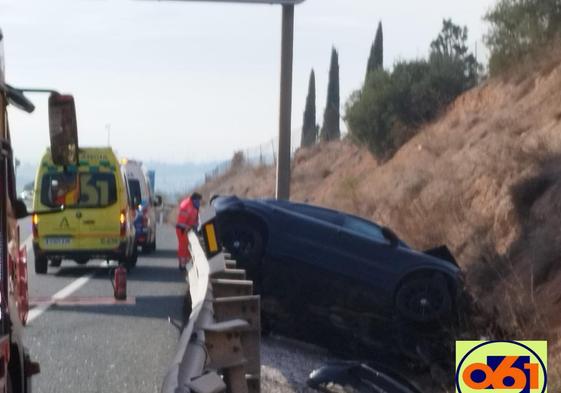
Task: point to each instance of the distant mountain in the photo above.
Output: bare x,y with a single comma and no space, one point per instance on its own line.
170,178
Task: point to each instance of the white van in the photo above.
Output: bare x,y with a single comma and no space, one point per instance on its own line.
143,202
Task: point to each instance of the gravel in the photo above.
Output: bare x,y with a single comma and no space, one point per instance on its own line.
286,364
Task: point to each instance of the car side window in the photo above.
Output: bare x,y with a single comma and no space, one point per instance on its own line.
364,228
318,213
135,192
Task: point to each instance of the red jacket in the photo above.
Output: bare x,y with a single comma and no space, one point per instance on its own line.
188,215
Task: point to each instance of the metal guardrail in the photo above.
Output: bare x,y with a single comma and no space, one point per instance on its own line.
219,347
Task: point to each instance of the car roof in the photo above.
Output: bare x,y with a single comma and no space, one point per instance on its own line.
289,205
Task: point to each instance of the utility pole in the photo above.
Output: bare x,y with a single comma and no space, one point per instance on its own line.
108,129
285,110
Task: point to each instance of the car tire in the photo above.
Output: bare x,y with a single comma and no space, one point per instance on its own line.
131,262
424,299
243,240
149,248
41,264
56,262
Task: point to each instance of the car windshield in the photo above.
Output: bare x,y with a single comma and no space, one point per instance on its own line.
83,189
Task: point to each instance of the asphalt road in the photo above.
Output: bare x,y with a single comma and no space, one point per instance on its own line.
87,343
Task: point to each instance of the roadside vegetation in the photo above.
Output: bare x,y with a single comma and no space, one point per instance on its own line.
391,105
521,32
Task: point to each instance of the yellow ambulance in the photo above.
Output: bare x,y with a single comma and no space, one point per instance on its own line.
89,214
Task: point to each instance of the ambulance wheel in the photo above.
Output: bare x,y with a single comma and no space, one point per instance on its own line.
55,262
41,264
9,384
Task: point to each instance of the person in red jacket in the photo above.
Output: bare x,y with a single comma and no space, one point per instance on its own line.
187,218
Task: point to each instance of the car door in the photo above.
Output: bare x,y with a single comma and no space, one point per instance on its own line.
307,254
135,202
369,258
307,233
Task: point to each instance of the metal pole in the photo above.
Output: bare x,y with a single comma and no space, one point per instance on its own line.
108,129
285,112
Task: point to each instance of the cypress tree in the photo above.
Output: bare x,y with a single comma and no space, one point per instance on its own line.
330,130
309,129
376,59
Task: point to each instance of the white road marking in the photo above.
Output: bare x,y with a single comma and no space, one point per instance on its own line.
68,290
64,292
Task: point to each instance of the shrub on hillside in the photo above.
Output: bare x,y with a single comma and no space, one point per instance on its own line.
520,28
390,106
238,160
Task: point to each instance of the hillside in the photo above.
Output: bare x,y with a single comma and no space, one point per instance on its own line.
483,179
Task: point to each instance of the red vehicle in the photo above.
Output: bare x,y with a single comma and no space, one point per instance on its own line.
16,367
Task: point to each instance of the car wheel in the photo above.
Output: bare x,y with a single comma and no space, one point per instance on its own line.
149,247
243,240
131,262
424,299
55,262
41,264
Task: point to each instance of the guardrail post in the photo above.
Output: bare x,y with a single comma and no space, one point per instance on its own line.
225,288
231,274
223,333
248,309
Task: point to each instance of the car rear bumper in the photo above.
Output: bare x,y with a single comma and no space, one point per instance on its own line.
114,254
144,235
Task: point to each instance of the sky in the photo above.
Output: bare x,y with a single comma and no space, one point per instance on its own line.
191,81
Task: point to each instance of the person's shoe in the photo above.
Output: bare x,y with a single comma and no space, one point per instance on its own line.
182,268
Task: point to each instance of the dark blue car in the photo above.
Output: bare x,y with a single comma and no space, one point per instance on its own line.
336,263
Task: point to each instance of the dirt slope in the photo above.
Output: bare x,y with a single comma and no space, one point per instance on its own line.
485,179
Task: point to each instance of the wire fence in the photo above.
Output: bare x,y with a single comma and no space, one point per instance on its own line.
259,155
